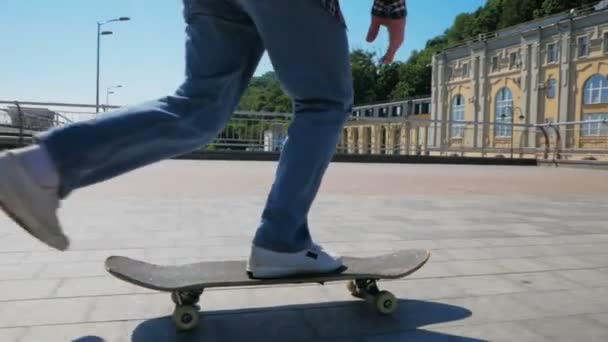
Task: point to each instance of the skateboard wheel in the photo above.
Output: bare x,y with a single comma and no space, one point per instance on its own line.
354,289
185,317
386,303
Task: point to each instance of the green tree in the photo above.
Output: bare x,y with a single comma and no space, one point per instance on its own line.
365,75
388,78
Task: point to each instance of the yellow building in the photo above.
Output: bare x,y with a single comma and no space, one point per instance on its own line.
388,128
487,93
490,94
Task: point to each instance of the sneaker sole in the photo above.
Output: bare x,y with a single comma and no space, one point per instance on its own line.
272,272
47,239
24,226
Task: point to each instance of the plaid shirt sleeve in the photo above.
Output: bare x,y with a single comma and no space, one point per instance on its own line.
394,9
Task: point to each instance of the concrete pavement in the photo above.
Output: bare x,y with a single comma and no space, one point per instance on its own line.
519,254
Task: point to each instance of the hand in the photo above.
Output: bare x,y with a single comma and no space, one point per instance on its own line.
396,33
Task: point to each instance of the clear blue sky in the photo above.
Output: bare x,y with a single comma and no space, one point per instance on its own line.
48,48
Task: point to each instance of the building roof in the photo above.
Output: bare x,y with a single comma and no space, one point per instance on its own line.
534,24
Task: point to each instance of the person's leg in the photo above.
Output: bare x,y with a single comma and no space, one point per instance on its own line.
223,50
309,51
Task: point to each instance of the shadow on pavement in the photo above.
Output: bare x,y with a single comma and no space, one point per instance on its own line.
345,321
89,339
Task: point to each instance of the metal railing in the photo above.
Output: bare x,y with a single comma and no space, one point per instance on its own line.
586,139
389,135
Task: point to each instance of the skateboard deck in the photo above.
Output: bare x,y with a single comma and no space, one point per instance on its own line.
187,282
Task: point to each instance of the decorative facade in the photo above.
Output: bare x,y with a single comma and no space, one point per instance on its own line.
487,92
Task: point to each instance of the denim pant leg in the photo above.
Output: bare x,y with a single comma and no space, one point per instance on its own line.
310,54
223,49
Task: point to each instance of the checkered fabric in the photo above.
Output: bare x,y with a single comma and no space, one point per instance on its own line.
382,8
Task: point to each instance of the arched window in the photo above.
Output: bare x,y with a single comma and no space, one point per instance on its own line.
596,89
504,112
596,92
457,115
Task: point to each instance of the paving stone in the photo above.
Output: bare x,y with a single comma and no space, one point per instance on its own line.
498,308
459,243
27,289
82,332
12,334
595,260
129,307
44,312
568,329
587,278
568,302
475,267
94,286
542,281
71,270
600,318
20,271
71,256
563,262
522,264
499,332
12,258
462,254
456,287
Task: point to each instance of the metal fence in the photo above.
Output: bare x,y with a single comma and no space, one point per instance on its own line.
246,131
396,134
414,135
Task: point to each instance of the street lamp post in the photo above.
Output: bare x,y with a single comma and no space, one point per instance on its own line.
99,34
109,91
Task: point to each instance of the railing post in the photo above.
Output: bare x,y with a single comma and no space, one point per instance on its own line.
547,141
21,123
558,143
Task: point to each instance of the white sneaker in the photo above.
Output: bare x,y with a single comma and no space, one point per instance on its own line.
264,263
31,206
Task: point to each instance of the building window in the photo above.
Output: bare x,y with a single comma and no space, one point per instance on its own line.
513,60
397,111
551,88
495,64
465,70
583,46
458,105
596,128
596,90
606,42
552,53
383,112
504,112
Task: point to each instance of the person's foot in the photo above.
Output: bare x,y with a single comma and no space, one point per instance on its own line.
264,263
31,206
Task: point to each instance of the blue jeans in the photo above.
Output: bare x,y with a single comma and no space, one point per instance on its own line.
225,41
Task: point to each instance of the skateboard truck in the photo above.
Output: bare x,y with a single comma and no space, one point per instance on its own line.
385,302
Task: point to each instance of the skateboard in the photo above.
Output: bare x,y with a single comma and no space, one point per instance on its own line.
186,283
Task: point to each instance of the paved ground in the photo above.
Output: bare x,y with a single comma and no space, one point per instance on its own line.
519,254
